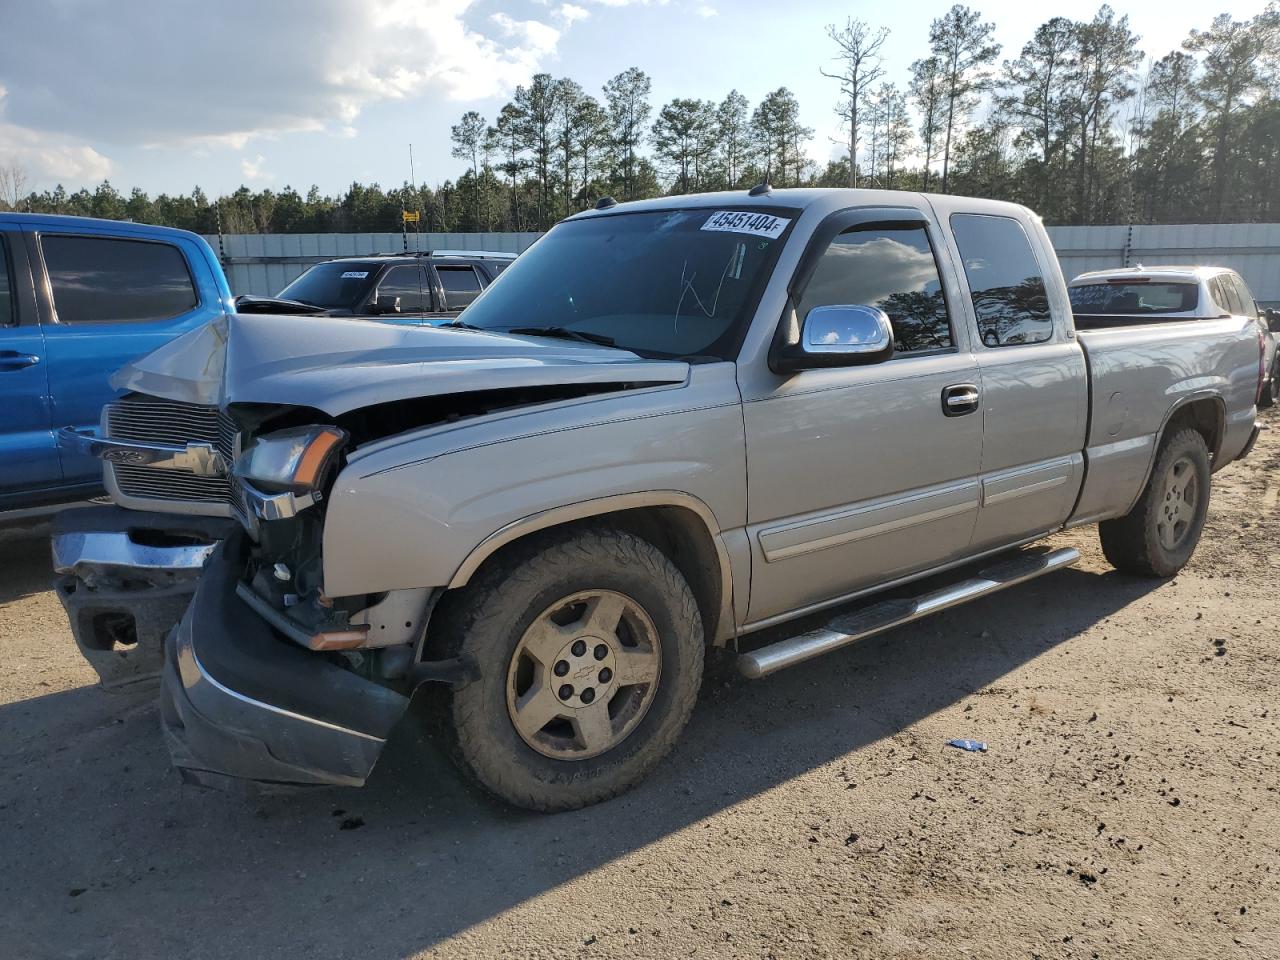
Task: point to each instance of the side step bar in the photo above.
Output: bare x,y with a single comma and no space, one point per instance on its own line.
844,630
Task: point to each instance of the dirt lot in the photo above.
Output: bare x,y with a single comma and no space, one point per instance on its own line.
1129,805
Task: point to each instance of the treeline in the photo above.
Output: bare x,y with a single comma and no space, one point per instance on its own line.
1082,125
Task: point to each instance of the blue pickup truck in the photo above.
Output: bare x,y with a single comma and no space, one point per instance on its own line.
78,299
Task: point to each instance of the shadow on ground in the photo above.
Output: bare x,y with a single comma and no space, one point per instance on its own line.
24,561
106,854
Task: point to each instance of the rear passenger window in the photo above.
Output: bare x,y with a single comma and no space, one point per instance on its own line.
104,280
1005,280
1229,298
1247,303
461,285
7,316
409,284
889,267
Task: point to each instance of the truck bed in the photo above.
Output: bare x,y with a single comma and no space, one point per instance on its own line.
1139,377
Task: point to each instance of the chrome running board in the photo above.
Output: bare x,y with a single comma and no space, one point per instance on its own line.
844,630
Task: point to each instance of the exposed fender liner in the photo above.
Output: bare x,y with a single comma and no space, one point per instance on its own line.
586,509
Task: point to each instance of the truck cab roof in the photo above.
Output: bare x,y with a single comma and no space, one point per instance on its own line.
71,224
819,200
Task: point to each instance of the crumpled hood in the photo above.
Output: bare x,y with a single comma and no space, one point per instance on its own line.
336,365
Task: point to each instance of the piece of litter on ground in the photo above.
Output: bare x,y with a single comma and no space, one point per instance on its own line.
973,746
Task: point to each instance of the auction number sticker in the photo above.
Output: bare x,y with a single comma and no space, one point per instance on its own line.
355,275
757,224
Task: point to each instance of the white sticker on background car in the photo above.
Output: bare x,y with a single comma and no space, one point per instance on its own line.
355,275
736,221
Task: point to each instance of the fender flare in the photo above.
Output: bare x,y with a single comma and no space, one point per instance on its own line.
586,509
1177,405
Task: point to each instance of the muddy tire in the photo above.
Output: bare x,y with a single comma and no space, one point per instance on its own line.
590,648
1157,537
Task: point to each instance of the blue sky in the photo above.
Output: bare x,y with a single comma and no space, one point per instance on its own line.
166,95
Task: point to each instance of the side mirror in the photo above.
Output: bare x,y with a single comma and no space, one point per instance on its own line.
381,305
838,336
1273,320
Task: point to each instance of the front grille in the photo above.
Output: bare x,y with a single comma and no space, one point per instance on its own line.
151,420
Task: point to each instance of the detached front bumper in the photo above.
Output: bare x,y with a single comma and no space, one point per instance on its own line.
240,704
125,578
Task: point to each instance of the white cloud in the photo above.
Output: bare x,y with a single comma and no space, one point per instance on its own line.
195,74
255,169
48,157
571,13
705,11
534,40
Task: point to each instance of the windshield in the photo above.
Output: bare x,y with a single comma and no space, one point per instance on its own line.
1128,299
673,283
335,286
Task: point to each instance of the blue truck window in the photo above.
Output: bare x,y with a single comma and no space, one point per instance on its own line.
105,280
1005,280
7,318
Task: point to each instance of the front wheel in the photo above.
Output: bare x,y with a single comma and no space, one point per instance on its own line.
1157,537
590,652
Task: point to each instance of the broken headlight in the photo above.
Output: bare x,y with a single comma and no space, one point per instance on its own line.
296,460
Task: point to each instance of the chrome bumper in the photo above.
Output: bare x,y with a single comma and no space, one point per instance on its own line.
124,579
98,553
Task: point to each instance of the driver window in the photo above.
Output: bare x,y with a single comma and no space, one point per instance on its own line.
890,267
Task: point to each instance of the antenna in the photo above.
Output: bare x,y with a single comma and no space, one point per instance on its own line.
424,299
413,182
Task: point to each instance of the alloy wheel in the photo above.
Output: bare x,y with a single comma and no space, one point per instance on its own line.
583,675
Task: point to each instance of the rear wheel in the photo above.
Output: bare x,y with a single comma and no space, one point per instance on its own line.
590,650
1157,537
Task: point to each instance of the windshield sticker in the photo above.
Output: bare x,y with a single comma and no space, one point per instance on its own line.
355,275
735,221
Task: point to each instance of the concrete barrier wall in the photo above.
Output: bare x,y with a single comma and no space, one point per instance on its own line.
263,264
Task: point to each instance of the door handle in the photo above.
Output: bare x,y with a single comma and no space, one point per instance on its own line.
959,399
13,360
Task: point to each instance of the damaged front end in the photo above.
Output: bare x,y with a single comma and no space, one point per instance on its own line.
125,578
223,453
265,680
241,704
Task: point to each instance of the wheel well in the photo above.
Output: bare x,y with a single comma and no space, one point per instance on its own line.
1204,416
678,532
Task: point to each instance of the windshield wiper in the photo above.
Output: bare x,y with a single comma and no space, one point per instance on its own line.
564,333
460,325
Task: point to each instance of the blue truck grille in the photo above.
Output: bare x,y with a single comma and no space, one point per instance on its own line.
152,420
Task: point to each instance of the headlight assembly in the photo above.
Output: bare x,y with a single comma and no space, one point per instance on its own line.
296,459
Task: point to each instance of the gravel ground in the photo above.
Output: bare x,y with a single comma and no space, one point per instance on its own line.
1127,807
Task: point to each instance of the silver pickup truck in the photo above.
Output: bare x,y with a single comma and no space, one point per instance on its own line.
668,425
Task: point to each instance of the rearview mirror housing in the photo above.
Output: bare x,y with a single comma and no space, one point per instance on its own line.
837,336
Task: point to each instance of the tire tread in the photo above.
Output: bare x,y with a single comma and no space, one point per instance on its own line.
476,609
1130,543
